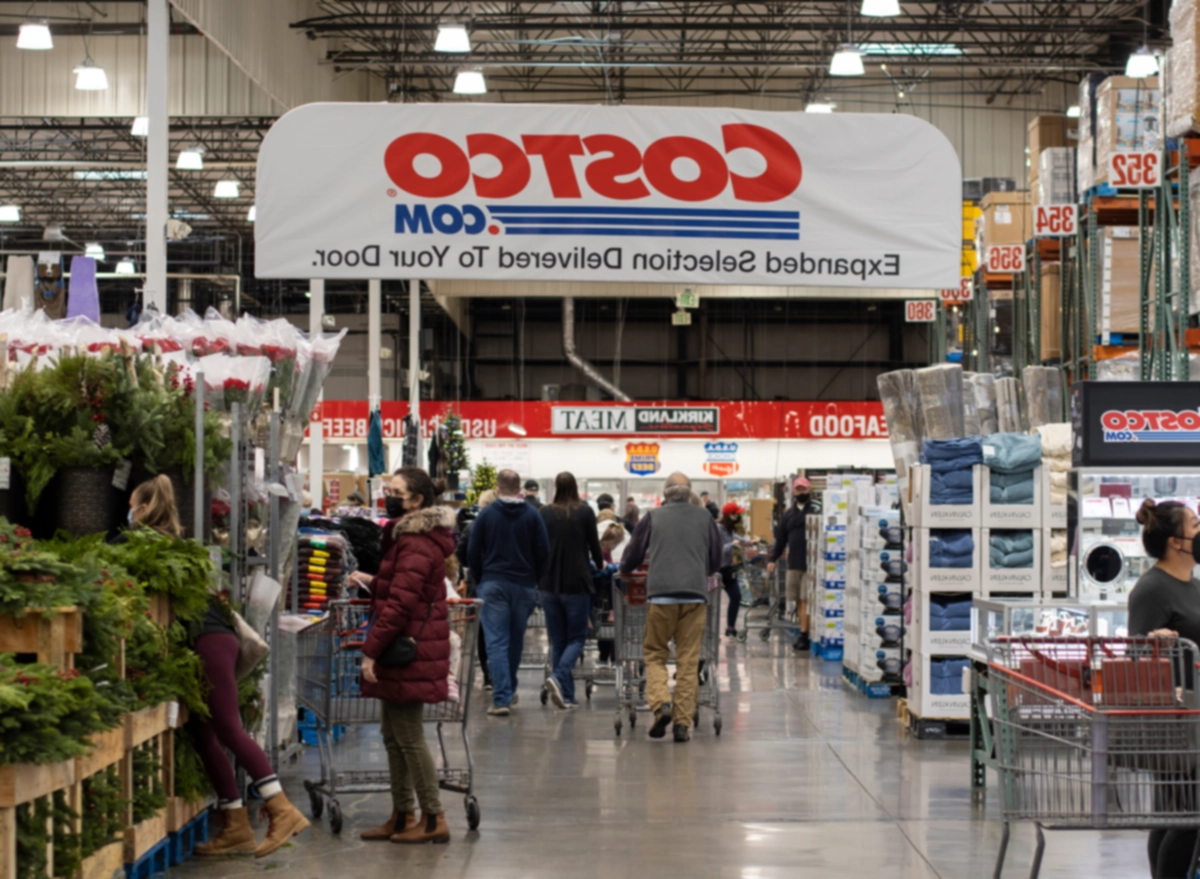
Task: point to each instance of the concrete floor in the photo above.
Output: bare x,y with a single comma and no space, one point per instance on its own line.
806,779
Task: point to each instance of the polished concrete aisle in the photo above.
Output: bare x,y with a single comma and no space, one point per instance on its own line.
807,779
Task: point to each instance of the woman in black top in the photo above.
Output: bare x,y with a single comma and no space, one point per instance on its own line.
1166,603
566,587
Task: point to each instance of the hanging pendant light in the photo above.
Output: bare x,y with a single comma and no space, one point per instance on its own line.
881,8
452,37
90,77
1141,63
470,82
35,35
846,61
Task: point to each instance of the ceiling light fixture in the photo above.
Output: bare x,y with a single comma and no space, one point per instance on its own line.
90,77
1073,111
35,35
190,160
881,8
847,61
470,82
452,37
10,213
252,214
815,107
227,189
1141,63
126,267
141,126
94,249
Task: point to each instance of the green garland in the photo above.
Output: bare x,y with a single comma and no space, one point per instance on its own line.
104,806
149,795
32,838
46,714
68,850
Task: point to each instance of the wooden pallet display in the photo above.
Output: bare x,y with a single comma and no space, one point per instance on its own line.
106,756
931,727
53,636
21,784
147,729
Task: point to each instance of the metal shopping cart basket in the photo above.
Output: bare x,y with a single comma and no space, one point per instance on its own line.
329,654
630,608
1096,734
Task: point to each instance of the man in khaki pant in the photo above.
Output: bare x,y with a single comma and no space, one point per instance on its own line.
684,548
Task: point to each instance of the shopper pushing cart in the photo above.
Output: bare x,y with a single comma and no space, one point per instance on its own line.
684,548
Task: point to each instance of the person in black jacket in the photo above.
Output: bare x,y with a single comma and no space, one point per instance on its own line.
486,498
566,587
792,535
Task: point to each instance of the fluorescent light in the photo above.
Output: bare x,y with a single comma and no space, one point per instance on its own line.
10,213
1141,64
452,37
847,61
881,8
1073,111
126,267
96,176
470,82
89,77
141,127
94,249
226,189
252,214
190,160
899,49
34,35
819,108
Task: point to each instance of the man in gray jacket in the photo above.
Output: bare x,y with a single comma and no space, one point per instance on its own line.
685,548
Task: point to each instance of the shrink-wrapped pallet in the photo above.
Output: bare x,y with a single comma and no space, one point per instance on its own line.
940,388
1008,405
1056,176
1043,395
1126,118
983,391
897,392
1183,99
970,412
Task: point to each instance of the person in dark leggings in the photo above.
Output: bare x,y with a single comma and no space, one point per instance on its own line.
152,506
731,517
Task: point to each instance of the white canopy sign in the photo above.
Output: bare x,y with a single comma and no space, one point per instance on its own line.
668,194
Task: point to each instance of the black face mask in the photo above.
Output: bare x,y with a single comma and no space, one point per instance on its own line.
395,507
801,499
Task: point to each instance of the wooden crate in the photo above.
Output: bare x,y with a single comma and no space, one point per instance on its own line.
160,608
104,862
141,726
143,836
107,748
19,784
54,636
140,838
180,812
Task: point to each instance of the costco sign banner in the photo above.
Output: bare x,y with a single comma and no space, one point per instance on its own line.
661,194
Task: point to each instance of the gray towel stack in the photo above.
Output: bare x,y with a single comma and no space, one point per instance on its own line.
970,413
941,391
1043,395
901,406
1008,406
983,389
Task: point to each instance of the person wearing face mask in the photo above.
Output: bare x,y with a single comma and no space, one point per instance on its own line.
1166,603
791,535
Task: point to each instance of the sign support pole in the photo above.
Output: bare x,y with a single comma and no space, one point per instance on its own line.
414,359
316,438
158,153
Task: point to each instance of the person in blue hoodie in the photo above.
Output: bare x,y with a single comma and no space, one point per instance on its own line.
508,553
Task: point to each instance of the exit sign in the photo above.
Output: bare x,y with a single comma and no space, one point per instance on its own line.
687,300
682,319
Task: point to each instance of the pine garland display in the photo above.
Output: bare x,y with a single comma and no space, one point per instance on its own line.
483,478
149,795
46,713
33,837
103,818
454,447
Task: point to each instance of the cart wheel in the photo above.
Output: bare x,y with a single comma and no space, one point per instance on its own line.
544,696
765,634
335,816
316,802
717,724
617,725
588,690
472,813
742,636
632,719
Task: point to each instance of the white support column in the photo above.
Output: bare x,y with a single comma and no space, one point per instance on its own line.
374,320
414,361
158,152
316,434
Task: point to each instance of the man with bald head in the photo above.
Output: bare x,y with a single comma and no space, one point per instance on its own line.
684,548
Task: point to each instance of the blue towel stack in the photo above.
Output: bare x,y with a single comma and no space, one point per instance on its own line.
1011,549
951,548
1011,458
949,613
950,463
945,676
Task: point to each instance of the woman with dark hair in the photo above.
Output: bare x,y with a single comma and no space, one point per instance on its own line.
408,600
731,517
1166,603
152,507
566,587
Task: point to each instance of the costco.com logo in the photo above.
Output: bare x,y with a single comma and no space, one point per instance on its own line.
1151,426
607,172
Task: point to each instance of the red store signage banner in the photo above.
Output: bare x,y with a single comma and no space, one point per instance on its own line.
507,419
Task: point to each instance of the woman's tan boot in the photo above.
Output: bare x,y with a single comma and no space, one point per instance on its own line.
431,828
391,827
286,822
236,835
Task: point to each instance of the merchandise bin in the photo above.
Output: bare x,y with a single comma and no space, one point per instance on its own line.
926,704
1014,515
930,579
930,515
1011,579
1043,617
934,642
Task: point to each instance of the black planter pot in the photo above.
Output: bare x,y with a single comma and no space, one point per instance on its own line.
82,501
12,499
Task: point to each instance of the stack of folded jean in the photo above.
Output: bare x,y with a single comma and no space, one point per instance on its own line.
1011,458
949,613
951,548
1011,549
945,675
950,462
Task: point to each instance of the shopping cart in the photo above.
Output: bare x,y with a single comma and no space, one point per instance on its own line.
329,654
767,591
535,654
1096,734
588,671
630,608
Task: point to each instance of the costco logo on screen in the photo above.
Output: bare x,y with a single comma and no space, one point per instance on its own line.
598,194
1151,426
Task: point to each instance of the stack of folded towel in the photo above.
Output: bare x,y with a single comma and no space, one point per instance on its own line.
321,570
949,613
1058,548
951,548
1011,458
950,462
1056,454
1011,549
945,675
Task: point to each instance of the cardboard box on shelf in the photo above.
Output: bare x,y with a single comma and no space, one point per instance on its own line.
1006,218
1050,311
1126,118
1046,132
1118,309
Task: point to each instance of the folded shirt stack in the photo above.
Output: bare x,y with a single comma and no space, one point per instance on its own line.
945,675
1011,549
950,462
951,548
1011,459
949,613
322,570
1056,455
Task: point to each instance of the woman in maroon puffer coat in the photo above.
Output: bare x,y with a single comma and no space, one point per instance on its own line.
408,599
